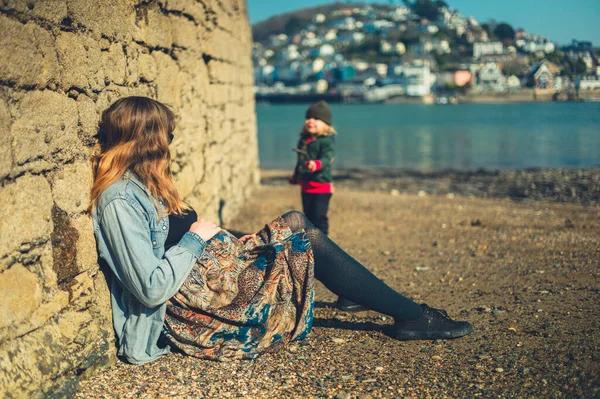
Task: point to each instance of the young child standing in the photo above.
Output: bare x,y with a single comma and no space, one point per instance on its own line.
316,150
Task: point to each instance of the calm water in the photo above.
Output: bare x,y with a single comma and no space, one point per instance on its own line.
436,137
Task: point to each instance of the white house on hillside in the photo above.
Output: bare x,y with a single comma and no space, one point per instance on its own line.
483,48
319,18
490,76
533,47
416,79
513,81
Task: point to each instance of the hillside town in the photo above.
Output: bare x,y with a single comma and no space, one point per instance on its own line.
383,52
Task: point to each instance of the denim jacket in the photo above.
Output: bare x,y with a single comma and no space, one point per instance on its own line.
130,238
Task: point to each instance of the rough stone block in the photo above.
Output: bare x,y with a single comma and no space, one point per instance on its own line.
38,317
71,187
40,363
89,115
28,52
153,27
21,295
147,67
185,33
102,309
81,61
53,11
114,19
168,82
24,212
45,122
5,140
194,10
87,256
114,64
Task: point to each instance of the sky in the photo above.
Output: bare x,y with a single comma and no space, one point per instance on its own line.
559,20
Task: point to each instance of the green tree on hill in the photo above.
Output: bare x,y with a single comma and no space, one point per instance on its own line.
429,9
505,33
490,31
513,68
293,25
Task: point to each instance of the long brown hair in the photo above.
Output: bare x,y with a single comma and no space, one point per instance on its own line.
134,135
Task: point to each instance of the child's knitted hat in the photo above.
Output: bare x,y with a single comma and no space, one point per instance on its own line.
320,110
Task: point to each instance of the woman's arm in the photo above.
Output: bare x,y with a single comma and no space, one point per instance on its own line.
150,279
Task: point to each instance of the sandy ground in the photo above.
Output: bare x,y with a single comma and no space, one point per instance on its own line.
525,274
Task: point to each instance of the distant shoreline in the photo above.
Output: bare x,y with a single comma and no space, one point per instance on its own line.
487,97
580,186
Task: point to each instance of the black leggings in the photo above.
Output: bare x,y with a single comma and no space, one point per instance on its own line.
344,276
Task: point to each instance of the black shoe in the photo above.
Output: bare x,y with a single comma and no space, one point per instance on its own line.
347,305
432,324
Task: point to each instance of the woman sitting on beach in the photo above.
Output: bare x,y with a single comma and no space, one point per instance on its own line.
209,294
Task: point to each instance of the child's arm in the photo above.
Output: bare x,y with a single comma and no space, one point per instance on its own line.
326,156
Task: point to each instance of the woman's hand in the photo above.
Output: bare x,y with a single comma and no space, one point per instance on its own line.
247,237
206,230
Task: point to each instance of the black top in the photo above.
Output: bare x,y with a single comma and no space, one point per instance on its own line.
178,226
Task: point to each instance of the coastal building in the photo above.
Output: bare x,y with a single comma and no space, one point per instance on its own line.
538,46
311,41
264,74
520,33
490,76
347,23
330,35
378,26
349,38
543,75
343,73
476,34
381,69
430,29
278,40
426,46
386,47
289,53
589,82
441,46
472,21
286,72
513,82
360,65
319,18
401,13
588,60
400,48
326,50
421,48
484,48
453,21
417,80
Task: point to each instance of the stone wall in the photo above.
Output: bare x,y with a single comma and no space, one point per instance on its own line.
61,63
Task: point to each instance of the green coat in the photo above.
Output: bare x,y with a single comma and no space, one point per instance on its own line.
320,149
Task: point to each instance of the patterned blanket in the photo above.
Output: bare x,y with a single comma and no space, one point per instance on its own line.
245,299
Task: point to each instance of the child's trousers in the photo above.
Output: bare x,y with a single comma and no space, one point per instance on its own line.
315,208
